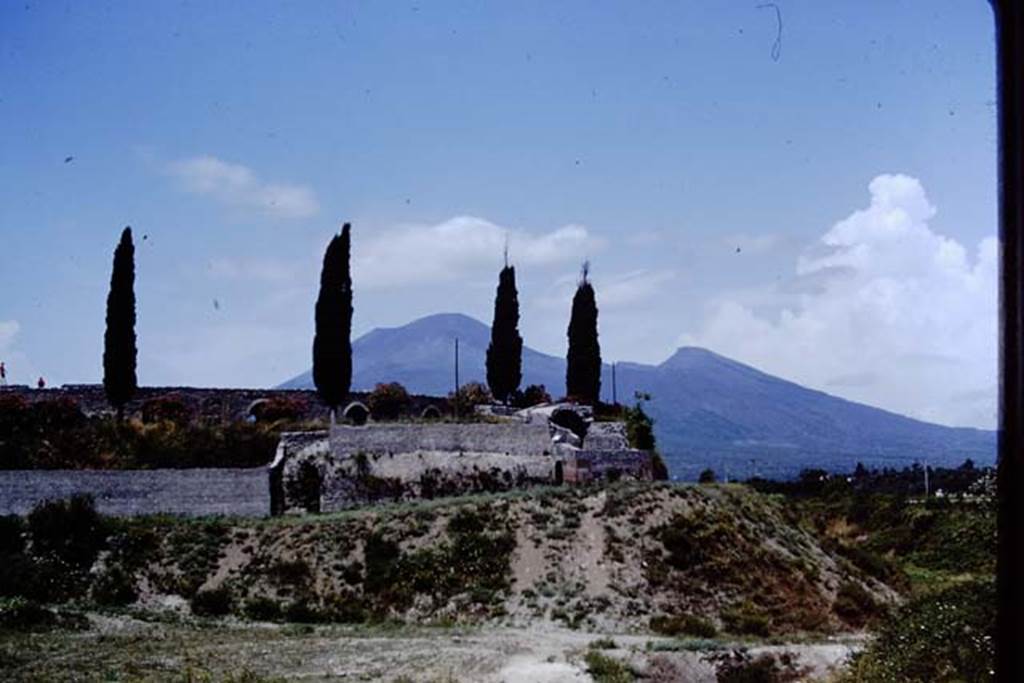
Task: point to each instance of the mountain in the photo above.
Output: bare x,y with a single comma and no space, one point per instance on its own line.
709,411
421,355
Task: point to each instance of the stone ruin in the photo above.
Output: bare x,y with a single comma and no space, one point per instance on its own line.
350,466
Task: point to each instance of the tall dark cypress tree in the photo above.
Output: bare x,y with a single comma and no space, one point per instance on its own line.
332,341
505,353
583,363
119,352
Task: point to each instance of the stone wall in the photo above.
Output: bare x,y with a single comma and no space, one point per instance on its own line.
356,466
416,476
193,492
209,404
505,438
596,465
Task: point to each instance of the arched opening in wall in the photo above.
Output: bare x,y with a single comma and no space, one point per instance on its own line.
356,413
559,473
431,413
570,420
252,413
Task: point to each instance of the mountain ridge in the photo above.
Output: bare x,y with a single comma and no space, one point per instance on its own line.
709,410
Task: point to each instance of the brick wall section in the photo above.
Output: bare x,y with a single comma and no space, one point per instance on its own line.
193,492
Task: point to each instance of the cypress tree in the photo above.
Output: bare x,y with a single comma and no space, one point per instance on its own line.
505,352
583,362
119,352
332,341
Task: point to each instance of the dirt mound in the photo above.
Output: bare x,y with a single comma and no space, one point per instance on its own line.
681,560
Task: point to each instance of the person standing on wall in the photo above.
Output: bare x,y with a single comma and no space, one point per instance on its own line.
3,374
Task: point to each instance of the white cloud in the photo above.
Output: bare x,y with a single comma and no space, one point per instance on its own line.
273,271
238,186
20,369
616,291
8,330
463,246
631,288
885,311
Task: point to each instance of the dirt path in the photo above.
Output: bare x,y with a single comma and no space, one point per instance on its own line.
121,648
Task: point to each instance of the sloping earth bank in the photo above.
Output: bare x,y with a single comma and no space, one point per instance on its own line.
538,573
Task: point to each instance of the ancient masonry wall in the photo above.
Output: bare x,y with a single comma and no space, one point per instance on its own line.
506,438
356,466
192,492
211,405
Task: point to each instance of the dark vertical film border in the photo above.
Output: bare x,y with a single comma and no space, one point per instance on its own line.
1009,16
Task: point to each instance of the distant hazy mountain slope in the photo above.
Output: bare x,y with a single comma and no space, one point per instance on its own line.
421,355
712,410
709,411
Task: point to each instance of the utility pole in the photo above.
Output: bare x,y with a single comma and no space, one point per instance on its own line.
925,479
615,392
456,379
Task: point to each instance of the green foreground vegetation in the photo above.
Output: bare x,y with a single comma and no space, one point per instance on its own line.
715,569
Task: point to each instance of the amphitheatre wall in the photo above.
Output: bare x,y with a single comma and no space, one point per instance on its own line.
506,438
124,493
356,466
209,404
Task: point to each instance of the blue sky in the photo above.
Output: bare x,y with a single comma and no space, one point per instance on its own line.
653,138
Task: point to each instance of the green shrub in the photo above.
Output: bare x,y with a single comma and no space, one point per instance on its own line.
942,636
871,563
195,547
262,608
12,535
280,409
688,542
381,557
603,644
639,425
683,625
343,609
212,602
605,669
114,587
854,604
739,666
290,572
533,395
388,401
659,470
69,529
469,396
21,614
168,408
47,579
473,559
746,620
301,612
